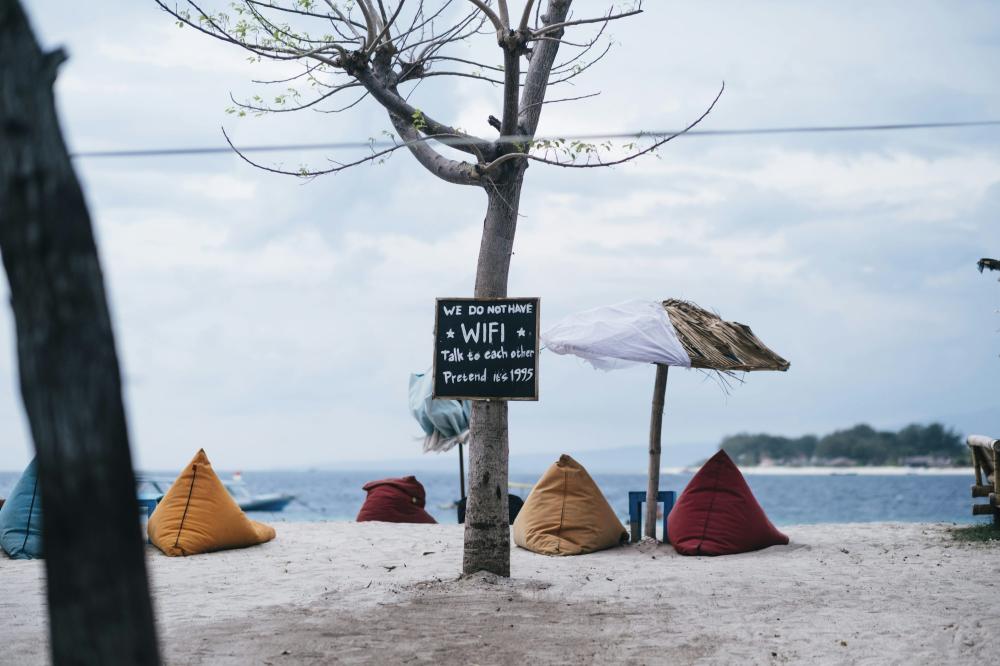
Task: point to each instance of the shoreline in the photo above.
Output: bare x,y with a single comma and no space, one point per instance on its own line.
780,470
814,470
361,593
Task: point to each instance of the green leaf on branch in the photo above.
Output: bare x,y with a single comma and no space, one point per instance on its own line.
419,122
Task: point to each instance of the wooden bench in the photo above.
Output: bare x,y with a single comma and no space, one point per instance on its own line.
986,460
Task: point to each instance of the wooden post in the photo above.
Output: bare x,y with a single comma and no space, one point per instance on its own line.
655,432
461,472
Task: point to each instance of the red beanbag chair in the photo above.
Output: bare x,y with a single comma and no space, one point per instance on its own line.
395,501
718,515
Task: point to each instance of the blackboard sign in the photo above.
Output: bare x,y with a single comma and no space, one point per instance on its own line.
486,348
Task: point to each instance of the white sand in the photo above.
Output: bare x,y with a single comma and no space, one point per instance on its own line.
380,593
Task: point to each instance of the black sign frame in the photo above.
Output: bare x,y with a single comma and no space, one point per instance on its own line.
536,301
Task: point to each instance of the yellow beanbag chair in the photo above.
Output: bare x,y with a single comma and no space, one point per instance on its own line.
198,515
566,514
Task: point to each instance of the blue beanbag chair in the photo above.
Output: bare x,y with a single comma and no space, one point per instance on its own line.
21,518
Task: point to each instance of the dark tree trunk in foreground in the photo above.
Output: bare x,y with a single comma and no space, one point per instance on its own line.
98,595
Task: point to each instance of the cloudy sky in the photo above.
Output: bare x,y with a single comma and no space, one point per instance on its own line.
275,322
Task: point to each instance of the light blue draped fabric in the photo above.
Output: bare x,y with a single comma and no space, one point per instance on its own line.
443,421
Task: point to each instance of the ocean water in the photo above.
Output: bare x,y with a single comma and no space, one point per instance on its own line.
331,495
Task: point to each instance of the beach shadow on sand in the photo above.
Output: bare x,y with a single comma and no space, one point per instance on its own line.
478,619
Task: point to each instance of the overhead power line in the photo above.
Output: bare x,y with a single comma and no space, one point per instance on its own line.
822,129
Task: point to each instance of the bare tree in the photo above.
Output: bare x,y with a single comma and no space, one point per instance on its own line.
98,596
383,50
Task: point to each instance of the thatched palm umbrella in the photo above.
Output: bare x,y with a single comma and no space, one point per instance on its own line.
673,332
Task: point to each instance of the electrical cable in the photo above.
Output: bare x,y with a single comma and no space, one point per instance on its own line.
822,129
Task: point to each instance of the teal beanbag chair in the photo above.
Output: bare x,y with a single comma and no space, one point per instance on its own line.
21,518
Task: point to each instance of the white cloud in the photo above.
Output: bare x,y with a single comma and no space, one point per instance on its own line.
220,187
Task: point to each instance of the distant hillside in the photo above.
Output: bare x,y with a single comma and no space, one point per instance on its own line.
933,445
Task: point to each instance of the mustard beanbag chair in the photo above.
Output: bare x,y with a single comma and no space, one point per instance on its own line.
198,515
566,514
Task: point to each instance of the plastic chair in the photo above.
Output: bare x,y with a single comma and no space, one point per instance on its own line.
635,501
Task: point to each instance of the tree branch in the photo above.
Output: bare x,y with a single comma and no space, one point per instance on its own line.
384,34
371,23
570,165
601,19
351,25
298,107
537,79
570,99
511,87
526,16
461,173
503,13
452,171
396,105
490,14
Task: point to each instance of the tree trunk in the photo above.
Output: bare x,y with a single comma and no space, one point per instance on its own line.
98,595
487,525
655,434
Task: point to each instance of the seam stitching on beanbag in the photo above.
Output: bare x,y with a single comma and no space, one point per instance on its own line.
562,514
194,475
31,511
711,505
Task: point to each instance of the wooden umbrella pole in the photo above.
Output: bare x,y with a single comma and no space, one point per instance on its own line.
655,432
461,472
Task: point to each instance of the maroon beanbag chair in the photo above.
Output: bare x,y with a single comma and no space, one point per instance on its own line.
718,515
395,501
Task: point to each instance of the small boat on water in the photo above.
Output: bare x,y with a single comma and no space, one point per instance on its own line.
250,502
154,488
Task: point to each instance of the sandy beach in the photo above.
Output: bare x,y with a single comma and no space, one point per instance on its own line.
382,593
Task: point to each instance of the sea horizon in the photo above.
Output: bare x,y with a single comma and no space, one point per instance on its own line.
831,470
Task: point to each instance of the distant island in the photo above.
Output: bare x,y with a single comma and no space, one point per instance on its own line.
915,445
